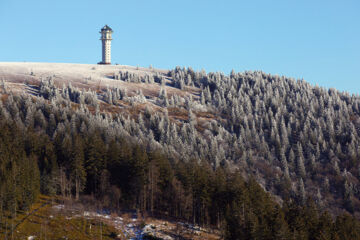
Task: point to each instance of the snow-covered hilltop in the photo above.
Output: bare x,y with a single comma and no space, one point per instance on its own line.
79,75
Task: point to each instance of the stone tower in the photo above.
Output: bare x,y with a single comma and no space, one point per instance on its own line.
106,32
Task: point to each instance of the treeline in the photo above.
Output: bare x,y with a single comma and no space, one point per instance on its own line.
297,138
19,171
311,133
121,174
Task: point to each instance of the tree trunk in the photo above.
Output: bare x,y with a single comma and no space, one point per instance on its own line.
62,182
152,190
77,187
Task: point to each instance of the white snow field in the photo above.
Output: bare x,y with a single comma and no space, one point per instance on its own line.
88,76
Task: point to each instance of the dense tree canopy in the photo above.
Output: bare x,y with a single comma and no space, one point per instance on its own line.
200,158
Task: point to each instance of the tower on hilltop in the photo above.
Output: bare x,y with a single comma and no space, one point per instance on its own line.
106,32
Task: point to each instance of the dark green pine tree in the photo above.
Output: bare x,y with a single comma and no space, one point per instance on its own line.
218,197
347,227
139,169
95,162
28,181
77,168
279,226
162,175
201,193
325,227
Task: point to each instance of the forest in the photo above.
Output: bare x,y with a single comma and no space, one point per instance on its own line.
120,175
258,156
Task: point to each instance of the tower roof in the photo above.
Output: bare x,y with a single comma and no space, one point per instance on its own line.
106,28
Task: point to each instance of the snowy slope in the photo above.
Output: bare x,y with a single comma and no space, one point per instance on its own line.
86,76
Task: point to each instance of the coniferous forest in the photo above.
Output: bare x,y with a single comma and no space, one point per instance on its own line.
255,155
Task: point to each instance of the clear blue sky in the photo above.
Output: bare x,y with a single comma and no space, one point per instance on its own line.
318,40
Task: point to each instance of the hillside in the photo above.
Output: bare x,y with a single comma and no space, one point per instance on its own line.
296,140
54,218
83,76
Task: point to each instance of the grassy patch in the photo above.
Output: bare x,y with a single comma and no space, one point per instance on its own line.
42,222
